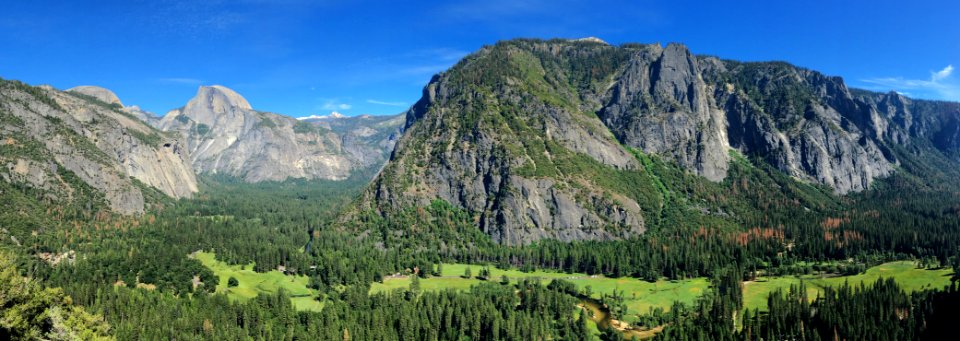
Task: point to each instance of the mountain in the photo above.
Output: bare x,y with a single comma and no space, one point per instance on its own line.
553,139
367,139
225,135
106,96
82,147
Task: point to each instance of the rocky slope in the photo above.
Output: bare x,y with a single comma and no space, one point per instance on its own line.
67,144
367,140
536,138
225,135
106,96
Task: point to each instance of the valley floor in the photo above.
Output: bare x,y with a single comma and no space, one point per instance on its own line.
253,283
908,276
640,296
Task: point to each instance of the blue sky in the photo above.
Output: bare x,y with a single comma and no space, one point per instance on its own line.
302,57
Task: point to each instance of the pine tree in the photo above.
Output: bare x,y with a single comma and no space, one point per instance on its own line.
415,284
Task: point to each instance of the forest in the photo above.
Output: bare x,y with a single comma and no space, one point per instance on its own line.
136,277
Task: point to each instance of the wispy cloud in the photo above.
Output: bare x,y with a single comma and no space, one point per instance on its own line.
942,74
392,104
188,18
185,81
334,104
940,85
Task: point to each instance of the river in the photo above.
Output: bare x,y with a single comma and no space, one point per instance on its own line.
601,316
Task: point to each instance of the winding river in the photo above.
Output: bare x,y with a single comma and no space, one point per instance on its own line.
601,316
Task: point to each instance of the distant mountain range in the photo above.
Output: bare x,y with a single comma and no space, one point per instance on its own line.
51,136
226,136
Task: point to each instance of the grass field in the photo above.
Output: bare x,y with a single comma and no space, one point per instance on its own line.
640,295
254,283
904,272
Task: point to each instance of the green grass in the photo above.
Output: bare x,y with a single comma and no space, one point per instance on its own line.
253,283
640,295
904,272
591,324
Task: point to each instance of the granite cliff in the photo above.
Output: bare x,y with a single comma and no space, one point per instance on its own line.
82,145
545,139
225,135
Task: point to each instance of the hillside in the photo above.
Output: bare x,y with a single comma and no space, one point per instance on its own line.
77,151
555,139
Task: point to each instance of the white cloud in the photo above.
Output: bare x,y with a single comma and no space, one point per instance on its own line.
337,106
940,85
311,117
942,74
332,114
392,104
333,104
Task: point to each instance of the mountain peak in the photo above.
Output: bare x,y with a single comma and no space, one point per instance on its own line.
97,92
219,98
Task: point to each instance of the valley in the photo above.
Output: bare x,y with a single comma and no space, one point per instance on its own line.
697,197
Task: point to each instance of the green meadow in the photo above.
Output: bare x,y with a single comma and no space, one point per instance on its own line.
639,295
252,283
904,272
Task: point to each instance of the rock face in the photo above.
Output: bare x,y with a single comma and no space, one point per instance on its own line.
67,144
366,139
534,138
102,94
661,105
63,143
502,152
106,96
225,135
805,124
